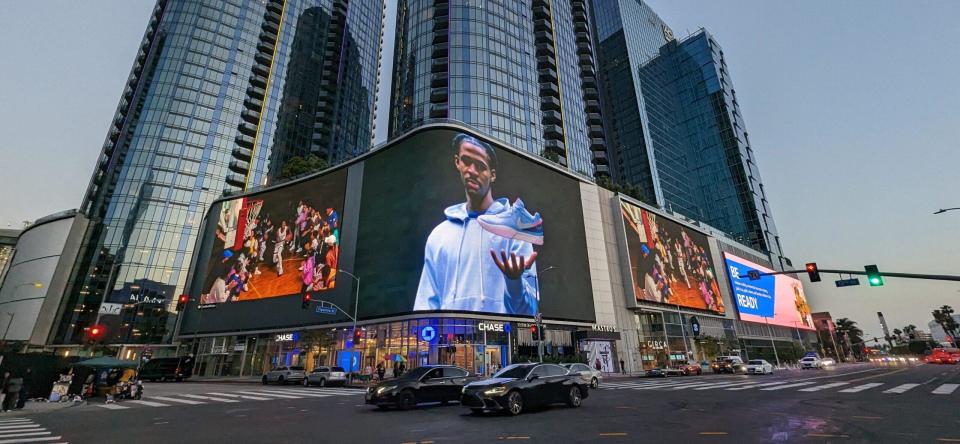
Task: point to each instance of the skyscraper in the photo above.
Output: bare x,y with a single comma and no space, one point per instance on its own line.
676,130
520,71
221,93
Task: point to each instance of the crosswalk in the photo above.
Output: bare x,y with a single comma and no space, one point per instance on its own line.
24,430
800,385
228,397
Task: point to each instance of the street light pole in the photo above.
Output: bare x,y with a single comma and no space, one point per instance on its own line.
356,302
774,344
944,210
539,316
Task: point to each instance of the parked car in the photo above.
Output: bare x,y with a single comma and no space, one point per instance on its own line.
728,364
589,375
692,368
759,367
663,372
284,375
430,383
519,386
167,369
324,376
811,362
827,362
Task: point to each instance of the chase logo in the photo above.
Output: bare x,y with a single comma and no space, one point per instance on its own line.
428,334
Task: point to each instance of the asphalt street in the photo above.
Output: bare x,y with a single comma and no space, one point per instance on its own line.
857,403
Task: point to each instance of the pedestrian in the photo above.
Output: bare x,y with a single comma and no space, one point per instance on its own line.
623,370
14,384
403,368
381,370
25,390
3,391
396,369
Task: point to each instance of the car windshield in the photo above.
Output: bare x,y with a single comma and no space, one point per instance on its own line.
513,371
809,359
337,369
755,362
417,373
728,361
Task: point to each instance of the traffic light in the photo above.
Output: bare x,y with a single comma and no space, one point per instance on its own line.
305,303
535,332
182,302
95,333
357,335
873,276
813,272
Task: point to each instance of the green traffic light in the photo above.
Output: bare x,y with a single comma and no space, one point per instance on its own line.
873,275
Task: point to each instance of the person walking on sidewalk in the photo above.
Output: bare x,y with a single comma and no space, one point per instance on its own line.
623,371
12,391
25,390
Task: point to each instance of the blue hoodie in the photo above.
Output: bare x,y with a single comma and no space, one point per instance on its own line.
459,274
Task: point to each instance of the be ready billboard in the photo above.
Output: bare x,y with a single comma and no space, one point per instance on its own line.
777,299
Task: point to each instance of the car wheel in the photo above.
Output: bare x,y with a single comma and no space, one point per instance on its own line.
594,383
515,403
281,381
323,382
264,379
574,397
306,382
406,401
476,411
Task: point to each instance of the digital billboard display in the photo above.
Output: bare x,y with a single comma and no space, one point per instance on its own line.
669,263
777,299
440,221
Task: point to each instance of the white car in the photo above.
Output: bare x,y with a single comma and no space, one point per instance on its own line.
284,375
811,362
759,367
324,376
827,362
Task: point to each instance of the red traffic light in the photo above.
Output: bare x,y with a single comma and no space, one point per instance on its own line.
305,302
357,334
96,332
813,272
183,299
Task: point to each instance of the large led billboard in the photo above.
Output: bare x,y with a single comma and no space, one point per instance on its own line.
669,263
776,299
439,221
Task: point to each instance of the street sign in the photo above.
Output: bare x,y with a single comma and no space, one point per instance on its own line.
754,275
326,310
847,282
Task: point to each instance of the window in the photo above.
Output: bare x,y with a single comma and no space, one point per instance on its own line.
453,372
555,370
435,373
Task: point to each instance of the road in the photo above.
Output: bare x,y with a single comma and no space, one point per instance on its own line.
857,403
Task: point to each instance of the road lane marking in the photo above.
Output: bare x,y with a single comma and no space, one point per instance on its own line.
209,398
275,395
861,388
901,388
867,417
181,401
613,434
18,427
945,389
229,395
730,384
713,433
948,439
299,393
823,387
878,376
513,437
825,435
112,406
148,403
11,421
757,385
781,387
19,440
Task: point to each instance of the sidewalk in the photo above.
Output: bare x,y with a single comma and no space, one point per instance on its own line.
34,408
249,380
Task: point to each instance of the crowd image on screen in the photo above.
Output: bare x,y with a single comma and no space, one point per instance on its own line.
304,242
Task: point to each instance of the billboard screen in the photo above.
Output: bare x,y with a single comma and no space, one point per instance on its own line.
440,221
276,244
777,299
669,263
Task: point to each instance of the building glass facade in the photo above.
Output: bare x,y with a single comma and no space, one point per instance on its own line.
678,132
196,119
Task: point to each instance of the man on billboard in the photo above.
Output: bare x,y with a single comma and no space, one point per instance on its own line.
481,257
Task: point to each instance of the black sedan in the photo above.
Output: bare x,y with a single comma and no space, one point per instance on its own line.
519,386
430,383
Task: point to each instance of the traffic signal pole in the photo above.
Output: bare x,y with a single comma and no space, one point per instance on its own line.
936,277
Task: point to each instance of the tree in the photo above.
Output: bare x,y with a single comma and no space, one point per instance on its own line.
848,328
550,155
897,335
910,331
298,166
944,317
626,188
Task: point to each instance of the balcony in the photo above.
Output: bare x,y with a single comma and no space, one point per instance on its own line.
439,50
541,12
546,50
601,170
591,94
441,11
583,37
598,144
441,25
236,180
549,90
551,117
553,132
322,118
438,95
547,75
580,26
239,167
275,6
439,65
265,47
242,154
259,81
268,37
542,25
546,62
595,130
438,80
261,69
438,111
263,58
550,104
248,129
250,116
543,37
271,27
541,3
244,141
588,81
440,37
255,92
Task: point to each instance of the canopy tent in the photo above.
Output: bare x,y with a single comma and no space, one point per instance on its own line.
107,362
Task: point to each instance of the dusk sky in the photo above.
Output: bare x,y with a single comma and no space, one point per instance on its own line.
851,109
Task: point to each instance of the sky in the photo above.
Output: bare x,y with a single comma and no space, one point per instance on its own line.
851,109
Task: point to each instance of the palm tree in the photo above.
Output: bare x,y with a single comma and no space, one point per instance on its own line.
852,332
944,317
910,331
897,335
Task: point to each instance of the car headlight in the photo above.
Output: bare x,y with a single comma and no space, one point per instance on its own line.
385,389
496,391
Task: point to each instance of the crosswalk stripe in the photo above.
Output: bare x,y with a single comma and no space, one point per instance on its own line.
112,406
10,421
208,398
781,387
729,384
345,391
231,395
19,440
298,393
24,426
663,385
768,384
861,388
181,401
945,389
901,388
823,387
14,435
148,403
275,395
686,386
